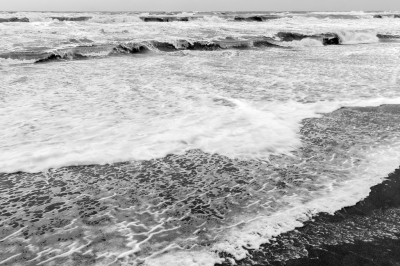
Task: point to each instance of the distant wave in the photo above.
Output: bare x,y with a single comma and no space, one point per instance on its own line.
340,37
86,49
14,19
71,18
206,17
164,19
387,16
256,18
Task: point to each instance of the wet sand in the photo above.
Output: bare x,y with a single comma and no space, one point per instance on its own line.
364,234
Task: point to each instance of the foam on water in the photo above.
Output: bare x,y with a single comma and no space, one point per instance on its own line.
307,42
215,124
348,37
238,131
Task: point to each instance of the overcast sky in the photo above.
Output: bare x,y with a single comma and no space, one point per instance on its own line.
199,5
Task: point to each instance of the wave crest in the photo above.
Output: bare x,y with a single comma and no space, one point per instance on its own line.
88,49
352,37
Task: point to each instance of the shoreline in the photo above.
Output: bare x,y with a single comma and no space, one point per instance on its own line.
367,233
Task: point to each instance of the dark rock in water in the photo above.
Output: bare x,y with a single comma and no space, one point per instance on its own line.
331,41
378,16
396,16
132,48
71,19
14,19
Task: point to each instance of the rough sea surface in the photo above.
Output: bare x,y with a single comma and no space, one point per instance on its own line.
193,138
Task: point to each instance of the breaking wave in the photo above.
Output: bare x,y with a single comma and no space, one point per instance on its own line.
71,18
131,17
13,19
87,49
349,37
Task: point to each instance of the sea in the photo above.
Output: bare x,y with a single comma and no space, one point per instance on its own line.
194,138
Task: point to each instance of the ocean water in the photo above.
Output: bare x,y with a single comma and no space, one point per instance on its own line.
187,138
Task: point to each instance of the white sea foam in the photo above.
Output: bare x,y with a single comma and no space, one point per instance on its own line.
9,61
351,37
239,131
185,258
216,19
115,19
306,42
242,131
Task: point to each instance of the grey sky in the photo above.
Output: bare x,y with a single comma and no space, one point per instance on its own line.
198,5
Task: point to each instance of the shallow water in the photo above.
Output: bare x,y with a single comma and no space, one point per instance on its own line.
118,149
